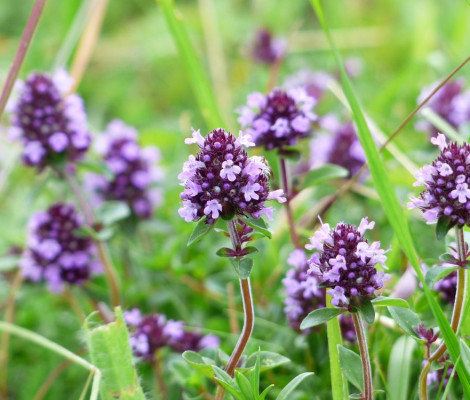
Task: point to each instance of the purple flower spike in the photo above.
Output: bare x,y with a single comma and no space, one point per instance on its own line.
339,146
50,122
134,168
150,333
54,252
278,119
266,49
446,182
345,261
221,181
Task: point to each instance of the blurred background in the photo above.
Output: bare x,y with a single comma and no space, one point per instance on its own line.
394,49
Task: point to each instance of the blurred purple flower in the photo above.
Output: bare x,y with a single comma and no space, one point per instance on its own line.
54,251
134,169
278,119
266,49
50,122
447,287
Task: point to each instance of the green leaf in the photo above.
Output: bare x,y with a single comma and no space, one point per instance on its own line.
268,360
405,318
9,263
250,249
199,231
194,69
381,301
199,363
244,385
257,224
110,351
245,267
265,392
112,211
101,235
443,226
292,385
367,310
224,252
319,316
323,174
437,273
97,167
391,204
227,382
465,352
255,373
351,365
399,368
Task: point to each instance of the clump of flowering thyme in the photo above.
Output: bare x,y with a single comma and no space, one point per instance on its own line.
222,181
345,262
278,119
55,253
338,145
134,169
446,182
50,122
149,333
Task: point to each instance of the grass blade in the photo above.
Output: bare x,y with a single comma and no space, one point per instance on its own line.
399,367
391,204
199,81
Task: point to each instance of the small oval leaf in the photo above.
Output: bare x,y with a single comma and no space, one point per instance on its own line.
199,231
381,301
258,225
319,316
267,360
351,366
437,273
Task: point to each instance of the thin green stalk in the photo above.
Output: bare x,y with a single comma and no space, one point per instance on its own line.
20,55
339,384
363,348
391,205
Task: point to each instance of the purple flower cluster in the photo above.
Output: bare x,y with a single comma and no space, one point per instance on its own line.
451,103
54,251
314,83
304,295
148,333
446,183
436,377
135,171
221,181
447,287
266,49
346,262
51,124
278,119
339,146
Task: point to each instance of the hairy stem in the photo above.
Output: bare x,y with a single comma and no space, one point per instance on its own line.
366,369
290,217
456,314
249,316
110,272
21,52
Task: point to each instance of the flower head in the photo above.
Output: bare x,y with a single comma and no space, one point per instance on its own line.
54,251
221,181
451,103
446,182
345,262
278,119
134,169
266,49
447,287
148,333
51,124
339,146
